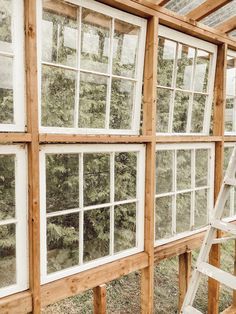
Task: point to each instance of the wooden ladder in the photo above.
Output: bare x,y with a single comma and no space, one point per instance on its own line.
216,223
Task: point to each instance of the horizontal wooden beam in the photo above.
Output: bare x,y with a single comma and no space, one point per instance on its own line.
178,247
230,139
16,303
15,137
229,310
206,8
187,139
73,285
228,25
75,138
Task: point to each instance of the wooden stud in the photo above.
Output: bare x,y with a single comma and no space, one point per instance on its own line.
185,263
15,137
234,292
228,25
99,299
206,8
33,152
149,128
218,130
187,139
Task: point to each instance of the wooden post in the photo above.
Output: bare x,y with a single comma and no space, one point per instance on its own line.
99,299
149,128
218,130
33,152
234,292
185,262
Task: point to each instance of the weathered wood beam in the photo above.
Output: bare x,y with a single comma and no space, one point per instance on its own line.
228,25
99,299
185,263
16,303
206,8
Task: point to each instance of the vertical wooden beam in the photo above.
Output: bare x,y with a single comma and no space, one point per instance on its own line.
234,292
218,130
99,299
185,263
33,151
149,128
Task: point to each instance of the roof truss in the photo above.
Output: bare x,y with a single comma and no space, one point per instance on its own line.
227,25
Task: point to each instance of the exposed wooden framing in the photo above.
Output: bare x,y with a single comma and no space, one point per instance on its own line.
178,247
227,25
206,8
149,128
230,310
187,139
99,299
33,153
230,139
73,285
15,137
16,303
73,138
185,263
218,130
234,292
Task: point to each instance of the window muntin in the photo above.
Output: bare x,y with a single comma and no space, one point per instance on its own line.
230,110
11,66
100,219
185,78
230,206
91,68
13,220
184,189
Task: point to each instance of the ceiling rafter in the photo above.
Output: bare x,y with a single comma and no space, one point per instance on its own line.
227,26
206,8
159,2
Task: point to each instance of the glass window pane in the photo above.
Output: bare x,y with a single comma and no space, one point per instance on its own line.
96,233
62,242
227,154
96,178
125,176
185,63
201,208
201,71
60,35
6,90
229,114
183,209
226,211
92,102
231,76
199,104
7,187
125,48
166,59
183,7
95,41
62,182
5,25
58,97
201,170
122,98
124,227
183,169
180,112
7,255
163,223
164,97
164,171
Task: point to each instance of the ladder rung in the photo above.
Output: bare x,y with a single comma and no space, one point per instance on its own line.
223,240
190,310
224,226
230,181
217,274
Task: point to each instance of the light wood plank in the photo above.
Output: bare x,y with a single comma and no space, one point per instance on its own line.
187,139
17,303
99,299
206,8
15,137
185,263
227,25
33,152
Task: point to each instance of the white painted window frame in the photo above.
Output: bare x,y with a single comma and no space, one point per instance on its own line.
181,38
18,73
92,148
20,220
114,14
232,53
210,186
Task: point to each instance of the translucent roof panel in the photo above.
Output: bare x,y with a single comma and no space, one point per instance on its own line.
183,7
233,33
221,15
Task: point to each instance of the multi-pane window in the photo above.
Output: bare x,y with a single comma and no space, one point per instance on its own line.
11,66
230,206
184,188
230,111
100,217
185,78
13,220
91,68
